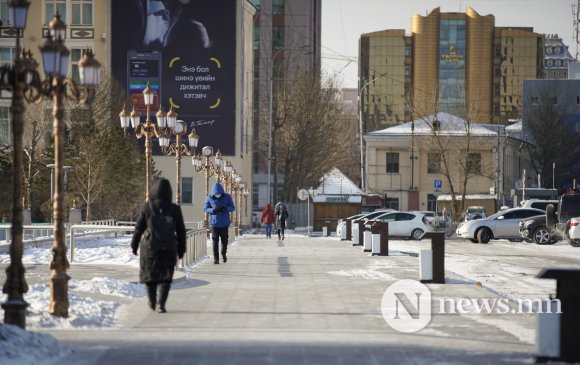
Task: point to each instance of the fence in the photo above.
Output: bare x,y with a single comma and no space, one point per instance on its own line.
196,246
298,214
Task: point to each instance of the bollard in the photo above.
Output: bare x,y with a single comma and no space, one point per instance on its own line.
358,230
433,262
380,244
355,233
325,231
568,293
348,229
367,239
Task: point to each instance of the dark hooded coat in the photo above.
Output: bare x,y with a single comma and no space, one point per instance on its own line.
158,267
219,209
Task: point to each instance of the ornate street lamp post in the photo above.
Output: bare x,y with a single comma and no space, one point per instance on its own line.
210,169
15,286
24,81
55,57
178,128
148,130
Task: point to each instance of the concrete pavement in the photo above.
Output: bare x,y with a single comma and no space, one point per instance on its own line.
291,302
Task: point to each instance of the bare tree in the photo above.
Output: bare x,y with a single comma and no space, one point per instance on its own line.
453,146
553,134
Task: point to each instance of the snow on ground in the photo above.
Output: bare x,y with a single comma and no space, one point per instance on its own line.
84,311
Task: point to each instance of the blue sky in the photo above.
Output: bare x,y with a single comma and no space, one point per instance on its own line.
343,21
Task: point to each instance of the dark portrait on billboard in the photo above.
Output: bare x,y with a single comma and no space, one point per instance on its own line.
185,50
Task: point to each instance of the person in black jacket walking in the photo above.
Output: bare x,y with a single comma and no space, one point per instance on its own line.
160,238
281,216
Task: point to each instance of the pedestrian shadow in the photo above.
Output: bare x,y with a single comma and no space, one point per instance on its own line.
284,267
189,283
280,243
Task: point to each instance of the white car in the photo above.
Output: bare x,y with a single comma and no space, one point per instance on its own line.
574,232
503,224
406,224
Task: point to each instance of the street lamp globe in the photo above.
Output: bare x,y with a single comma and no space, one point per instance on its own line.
135,118
180,127
207,151
89,69
57,28
18,12
171,118
196,161
193,138
161,117
148,95
218,159
51,54
125,118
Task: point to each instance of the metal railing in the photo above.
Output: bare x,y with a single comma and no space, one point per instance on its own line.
195,246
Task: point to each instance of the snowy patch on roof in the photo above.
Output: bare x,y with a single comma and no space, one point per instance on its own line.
335,182
448,125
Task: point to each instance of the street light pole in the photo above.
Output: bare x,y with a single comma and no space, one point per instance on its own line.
209,168
15,286
361,131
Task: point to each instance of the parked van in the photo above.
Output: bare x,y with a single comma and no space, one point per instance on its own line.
538,203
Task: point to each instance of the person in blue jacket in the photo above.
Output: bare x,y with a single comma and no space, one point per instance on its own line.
219,205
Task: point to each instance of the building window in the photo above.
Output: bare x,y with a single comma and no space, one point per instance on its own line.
392,163
256,68
278,6
578,100
407,71
75,56
407,51
4,11
5,135
82,12
433,162
474,163
277,37
256,3
554,100
392,203
432,202
6,55
256,37
278,68
187,190
51,7
535,100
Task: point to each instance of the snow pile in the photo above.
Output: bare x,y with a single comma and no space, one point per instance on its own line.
39,347
82,313
365,274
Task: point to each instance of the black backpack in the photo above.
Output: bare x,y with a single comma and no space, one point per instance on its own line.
161,227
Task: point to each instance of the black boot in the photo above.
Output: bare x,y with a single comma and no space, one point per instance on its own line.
216,261
152,294
163,294
224,257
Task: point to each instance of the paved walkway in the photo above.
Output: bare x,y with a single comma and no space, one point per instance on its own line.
283,303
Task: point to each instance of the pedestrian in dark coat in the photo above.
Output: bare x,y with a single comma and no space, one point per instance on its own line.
281,216
219,205
157,266
268,219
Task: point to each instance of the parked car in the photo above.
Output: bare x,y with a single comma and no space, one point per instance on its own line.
538,203
364,216
503,224
430,215
559,220
574,232
340,225
406,224
475,212
536,230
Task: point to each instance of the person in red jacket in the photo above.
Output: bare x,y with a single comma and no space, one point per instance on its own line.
268,218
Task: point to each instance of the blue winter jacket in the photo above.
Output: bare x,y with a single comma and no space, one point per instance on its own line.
219,218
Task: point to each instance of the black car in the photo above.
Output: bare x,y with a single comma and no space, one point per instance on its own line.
534,229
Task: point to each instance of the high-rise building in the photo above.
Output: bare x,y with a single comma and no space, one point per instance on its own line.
451,61
286,43
557,57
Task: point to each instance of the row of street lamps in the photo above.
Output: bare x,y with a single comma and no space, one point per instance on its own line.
25,83
168,125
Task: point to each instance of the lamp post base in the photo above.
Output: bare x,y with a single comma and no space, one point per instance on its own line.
15,312
59,295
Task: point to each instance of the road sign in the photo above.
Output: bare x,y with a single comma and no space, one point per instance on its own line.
437,185
302,194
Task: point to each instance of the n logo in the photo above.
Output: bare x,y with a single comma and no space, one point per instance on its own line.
406,306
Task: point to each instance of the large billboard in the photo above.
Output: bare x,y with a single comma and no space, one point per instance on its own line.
186,51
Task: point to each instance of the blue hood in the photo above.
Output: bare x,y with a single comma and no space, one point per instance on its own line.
217,188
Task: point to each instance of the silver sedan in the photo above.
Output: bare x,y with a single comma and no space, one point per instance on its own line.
503,224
